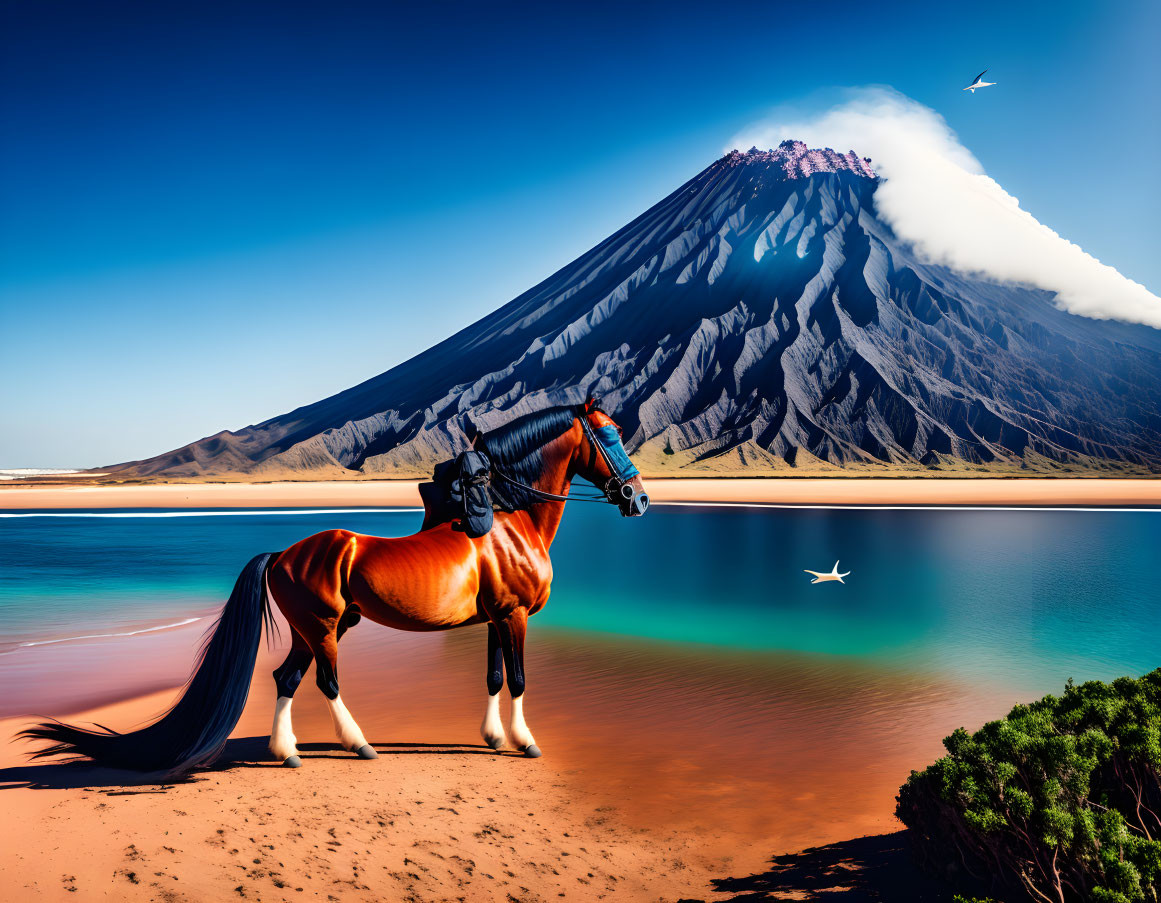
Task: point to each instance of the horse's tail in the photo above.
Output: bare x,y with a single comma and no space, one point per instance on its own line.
194,731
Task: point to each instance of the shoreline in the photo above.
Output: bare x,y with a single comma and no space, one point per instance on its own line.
426,821
1054,492
581,821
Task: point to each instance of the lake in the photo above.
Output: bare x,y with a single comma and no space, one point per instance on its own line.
1016,596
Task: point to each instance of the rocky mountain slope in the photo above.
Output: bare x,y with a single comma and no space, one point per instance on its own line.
759,318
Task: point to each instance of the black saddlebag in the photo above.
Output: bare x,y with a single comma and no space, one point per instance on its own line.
458,492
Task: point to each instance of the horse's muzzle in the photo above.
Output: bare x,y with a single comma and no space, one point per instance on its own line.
633,502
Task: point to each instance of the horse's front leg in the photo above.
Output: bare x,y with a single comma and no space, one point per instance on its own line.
492,730
512,630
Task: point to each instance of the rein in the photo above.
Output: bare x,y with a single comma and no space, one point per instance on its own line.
548,496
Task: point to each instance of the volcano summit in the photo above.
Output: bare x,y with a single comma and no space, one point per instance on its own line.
762,317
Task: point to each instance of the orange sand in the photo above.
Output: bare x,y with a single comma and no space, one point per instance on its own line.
665,768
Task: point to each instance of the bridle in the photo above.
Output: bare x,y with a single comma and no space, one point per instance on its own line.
614,490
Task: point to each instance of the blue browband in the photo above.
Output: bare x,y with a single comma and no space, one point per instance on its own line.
615,456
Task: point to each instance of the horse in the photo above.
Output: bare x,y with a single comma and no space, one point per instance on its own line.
437,579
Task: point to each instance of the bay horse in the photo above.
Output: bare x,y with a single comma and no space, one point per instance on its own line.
436,579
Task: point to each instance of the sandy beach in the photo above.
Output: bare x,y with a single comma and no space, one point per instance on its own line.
427,821
985,491
682,789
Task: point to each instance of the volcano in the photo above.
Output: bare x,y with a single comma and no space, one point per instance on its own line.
761,318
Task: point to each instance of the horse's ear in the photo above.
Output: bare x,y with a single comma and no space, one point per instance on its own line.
471,431
590,405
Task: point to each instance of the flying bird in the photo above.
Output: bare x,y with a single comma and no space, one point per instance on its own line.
978,83
828,578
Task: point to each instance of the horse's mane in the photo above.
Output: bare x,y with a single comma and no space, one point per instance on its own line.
517,448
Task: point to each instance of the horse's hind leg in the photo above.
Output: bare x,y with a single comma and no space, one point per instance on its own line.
287,677
492,730
512,630
326,656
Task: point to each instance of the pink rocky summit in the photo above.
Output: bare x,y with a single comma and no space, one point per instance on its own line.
797,161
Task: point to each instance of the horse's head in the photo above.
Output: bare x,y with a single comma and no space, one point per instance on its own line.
601,459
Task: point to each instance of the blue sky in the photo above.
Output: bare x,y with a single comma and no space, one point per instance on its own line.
212,214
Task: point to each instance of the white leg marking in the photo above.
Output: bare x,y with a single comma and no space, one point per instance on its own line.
492,730
517,729
346,730
282,739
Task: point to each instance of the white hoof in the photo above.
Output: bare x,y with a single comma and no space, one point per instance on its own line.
518,731
283,743
350,737
492,728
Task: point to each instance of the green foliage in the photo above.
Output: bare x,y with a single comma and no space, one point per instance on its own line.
1060,800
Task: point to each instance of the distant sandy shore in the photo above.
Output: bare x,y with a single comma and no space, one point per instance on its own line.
985,491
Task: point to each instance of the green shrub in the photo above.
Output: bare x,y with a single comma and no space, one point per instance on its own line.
1061,799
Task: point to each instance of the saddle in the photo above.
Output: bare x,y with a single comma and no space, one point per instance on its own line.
458,494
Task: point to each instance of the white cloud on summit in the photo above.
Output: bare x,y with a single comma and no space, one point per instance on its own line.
936,196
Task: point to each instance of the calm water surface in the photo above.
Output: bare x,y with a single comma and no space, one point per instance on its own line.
1010,596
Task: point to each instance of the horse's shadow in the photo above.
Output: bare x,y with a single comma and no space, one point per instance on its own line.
242,752
875,869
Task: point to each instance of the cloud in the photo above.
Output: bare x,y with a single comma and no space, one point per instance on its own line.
936,196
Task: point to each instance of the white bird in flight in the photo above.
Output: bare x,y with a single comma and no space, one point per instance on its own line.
979,84
828,578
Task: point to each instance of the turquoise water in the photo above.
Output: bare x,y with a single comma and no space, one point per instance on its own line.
1021,597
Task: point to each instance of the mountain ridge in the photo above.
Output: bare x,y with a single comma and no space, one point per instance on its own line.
761,316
